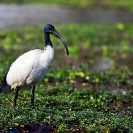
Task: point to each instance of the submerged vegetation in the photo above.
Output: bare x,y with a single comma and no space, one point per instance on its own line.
89,91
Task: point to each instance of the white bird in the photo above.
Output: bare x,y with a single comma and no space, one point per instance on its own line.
31,67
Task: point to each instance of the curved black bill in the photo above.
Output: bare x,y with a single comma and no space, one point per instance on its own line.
56,34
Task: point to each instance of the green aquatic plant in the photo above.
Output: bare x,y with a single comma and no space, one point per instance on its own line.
75,96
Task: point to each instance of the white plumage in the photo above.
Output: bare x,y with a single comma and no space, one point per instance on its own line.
31,67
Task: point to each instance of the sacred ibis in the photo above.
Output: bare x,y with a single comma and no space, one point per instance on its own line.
31,67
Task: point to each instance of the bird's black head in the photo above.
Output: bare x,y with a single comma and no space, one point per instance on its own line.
50,29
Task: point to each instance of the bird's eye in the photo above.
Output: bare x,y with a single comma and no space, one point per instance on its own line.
51,29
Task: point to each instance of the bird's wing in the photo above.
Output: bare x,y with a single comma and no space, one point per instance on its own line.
21,68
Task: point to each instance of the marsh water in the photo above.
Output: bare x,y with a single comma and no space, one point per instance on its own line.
12,16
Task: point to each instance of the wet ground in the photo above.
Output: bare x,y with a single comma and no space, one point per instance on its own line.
32,129
21,15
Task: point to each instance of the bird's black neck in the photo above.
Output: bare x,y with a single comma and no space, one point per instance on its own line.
47,39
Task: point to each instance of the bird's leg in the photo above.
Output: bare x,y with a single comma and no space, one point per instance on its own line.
16,96
32,96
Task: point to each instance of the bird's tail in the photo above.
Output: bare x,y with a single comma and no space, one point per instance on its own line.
3,84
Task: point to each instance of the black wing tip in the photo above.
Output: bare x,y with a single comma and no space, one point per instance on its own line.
3,84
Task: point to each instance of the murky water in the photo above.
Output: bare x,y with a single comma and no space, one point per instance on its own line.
21,15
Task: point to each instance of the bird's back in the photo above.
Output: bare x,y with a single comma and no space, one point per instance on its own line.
22,67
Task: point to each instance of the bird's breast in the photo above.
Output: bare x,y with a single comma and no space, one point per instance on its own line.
36,76
46,57
41,66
